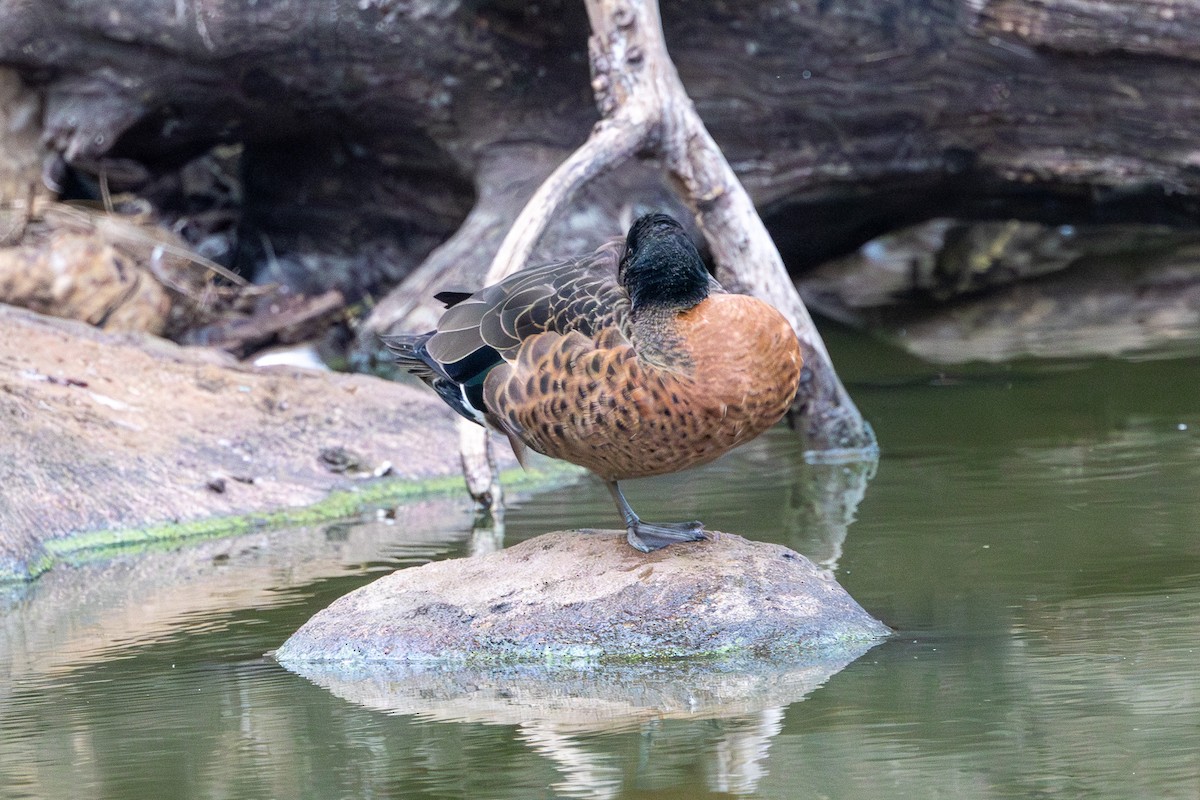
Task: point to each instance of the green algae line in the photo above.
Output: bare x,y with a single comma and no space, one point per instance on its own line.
340,504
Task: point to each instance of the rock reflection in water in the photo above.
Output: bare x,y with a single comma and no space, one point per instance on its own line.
558,708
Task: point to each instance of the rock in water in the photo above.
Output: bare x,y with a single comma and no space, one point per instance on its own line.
586,595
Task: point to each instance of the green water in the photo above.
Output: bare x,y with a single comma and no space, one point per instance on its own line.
1030,531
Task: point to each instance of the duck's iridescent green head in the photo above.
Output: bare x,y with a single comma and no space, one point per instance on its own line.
660,266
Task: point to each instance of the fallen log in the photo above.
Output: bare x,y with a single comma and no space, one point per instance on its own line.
408,136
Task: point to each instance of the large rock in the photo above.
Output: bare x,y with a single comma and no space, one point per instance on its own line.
103,433
588,596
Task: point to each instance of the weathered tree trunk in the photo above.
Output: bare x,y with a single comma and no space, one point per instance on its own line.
376,140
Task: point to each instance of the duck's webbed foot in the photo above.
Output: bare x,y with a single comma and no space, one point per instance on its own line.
650,536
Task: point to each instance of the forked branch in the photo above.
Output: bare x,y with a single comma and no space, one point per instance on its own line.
646,111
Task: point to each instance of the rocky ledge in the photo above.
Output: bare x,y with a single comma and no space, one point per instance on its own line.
588,596
104,436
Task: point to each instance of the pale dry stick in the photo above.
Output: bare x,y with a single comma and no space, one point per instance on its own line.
630,61
20,220
645,110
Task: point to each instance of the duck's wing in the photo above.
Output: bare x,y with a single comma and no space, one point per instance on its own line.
488,327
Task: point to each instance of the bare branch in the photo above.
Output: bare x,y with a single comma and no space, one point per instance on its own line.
646,110
612,142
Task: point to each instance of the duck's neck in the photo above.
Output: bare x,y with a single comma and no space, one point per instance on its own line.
654,333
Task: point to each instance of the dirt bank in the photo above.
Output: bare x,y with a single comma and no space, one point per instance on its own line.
102,432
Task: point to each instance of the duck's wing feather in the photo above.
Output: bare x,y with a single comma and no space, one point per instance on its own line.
488,327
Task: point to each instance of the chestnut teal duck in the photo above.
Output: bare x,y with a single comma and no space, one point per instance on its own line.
631,361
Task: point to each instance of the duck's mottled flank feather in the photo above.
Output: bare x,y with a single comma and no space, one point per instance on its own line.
607,409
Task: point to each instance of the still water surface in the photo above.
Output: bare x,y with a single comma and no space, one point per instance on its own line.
1030,531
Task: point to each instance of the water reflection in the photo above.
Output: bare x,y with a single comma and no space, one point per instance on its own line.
558,710
86,613
1031,530
823,500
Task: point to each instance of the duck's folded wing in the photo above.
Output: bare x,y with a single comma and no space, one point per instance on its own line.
489,326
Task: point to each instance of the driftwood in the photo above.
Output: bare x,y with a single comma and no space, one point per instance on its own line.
390,121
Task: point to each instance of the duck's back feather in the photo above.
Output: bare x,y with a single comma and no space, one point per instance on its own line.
488,327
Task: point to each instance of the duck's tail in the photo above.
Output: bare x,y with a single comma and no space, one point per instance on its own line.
413,357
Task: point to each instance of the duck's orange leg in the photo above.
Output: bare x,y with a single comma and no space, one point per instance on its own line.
648,536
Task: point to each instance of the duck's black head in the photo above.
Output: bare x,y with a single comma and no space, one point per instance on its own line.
660,266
